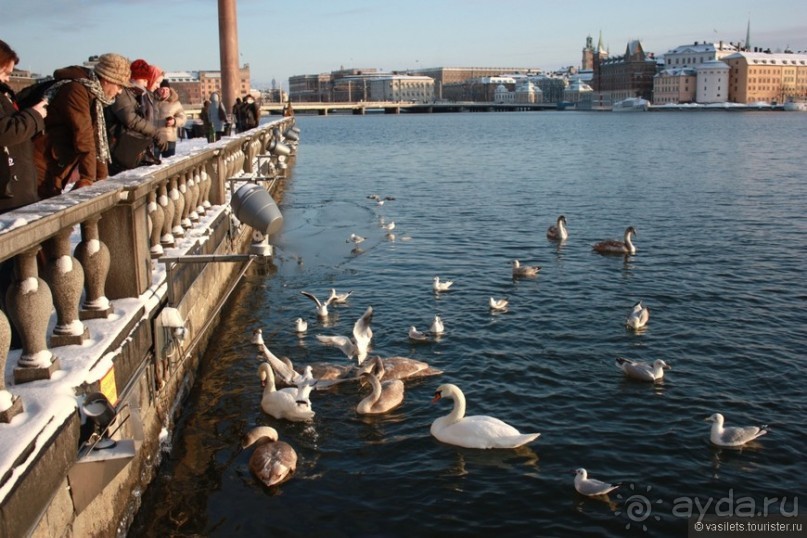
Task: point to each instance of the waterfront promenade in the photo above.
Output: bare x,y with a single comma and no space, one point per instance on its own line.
138,322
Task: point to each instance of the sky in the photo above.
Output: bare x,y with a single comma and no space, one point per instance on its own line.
282,39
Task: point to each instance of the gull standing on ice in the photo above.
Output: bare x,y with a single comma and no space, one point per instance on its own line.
498,304
642,370
591,487
638,317
524,270
322,308
438,286
558,231
733,436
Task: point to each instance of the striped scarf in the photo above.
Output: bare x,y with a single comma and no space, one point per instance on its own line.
101,100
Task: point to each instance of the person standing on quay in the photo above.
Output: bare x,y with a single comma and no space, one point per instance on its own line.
75,146
217,116
18,178
250,113
171,112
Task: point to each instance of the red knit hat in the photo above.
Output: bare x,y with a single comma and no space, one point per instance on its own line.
141,70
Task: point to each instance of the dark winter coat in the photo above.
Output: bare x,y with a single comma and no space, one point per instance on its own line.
70,141
251,115
18,179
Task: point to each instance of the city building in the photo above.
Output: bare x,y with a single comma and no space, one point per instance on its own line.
310,88
578,92
675,86
697,53
712,82
620,77
765,77
396,87
455,76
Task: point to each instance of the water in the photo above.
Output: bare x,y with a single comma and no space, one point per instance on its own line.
719,202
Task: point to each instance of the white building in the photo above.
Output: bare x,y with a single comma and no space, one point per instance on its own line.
712,82
696,54
503,95
528,92
577,91
416,88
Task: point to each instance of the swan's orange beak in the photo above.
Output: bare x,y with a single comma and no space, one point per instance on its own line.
437,397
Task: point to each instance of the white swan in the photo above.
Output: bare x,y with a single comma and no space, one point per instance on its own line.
479,431
498,304
612,246
558,231
417,336
438,285
638,317
300,325
322,308
385,396
285,403
272,462
524,270
437,328
359,345
591,487
642,370
733,436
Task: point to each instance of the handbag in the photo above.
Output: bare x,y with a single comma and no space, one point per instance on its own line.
129,149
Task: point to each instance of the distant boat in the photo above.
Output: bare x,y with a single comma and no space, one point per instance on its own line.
795,106
631,104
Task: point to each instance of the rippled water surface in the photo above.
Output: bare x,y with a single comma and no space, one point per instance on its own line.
719,201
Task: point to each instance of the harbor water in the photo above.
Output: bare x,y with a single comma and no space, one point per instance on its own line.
719,202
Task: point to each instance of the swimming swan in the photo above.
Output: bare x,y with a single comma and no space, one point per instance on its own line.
612,246
286,403
272,462
524,270
385,396
558,231
479,431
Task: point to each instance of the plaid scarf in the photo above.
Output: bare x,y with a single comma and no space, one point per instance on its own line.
101,100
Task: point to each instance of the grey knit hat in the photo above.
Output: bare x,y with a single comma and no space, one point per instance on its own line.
114,68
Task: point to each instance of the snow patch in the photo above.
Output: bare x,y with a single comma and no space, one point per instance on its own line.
29,285
64,264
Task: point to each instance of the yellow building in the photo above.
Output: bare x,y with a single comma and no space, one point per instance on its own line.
756,77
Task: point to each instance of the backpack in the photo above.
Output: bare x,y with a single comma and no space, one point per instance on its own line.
33,94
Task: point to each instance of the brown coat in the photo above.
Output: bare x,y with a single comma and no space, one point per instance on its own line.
69,145
171,108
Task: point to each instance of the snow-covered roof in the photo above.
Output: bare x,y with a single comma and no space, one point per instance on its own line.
758,58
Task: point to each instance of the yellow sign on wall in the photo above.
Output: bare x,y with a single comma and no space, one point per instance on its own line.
109,388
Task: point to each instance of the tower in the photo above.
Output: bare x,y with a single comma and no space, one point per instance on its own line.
588,55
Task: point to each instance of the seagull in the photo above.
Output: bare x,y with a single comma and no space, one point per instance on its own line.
417,336
438,286
591,487
359,345
498,304
612,246
338,298
322,308
524,270
390,226
733,436
558,231
642,370
638,317
356,239
300,325
286,373
437,327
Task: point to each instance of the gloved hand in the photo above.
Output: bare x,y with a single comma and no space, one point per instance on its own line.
161,140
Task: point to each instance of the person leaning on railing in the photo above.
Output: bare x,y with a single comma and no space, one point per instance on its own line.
17,128
75,148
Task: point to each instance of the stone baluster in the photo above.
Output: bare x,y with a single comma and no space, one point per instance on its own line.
193,187
179,206
167,238
29,303
200,190
156,219
94,257
206,184
186,188
65,276
10,405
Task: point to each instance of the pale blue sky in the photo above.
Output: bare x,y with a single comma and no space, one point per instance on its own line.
280,39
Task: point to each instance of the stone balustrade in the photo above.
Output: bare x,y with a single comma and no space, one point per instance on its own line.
68,260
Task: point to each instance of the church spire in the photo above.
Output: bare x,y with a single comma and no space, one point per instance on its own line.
748,36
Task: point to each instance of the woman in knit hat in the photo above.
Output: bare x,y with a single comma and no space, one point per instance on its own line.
132,121
75,148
